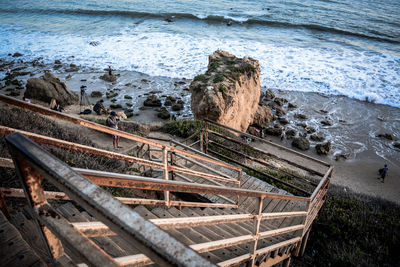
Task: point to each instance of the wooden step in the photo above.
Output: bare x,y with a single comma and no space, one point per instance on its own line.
189,233
15,251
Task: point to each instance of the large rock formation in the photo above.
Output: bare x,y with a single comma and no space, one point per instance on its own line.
48,87
229,91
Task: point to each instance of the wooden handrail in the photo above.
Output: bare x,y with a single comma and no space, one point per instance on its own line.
322,182
95,126
268,142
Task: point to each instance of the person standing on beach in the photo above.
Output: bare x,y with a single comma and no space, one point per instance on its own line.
283,134
109,70
112,122
383,173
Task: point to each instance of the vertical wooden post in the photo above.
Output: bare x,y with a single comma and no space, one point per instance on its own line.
32,183
3,205
201,140
240,181
166,175
206,137
256,230
304,243
149,152
172,163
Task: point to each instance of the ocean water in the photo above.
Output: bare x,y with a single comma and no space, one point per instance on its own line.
334,47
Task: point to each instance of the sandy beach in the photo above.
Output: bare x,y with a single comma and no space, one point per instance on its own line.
356,124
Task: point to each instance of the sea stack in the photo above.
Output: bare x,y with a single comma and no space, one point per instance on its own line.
228,92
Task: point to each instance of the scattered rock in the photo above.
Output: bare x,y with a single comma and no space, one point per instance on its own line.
122,115
57,62
323,149
127,97
113,100
94,43
283,121
280,112
317,138
108,78
310,129
128,113
300,116
326,123
96,94
177,107
143,108
115,106
323,111
16,54
111,94
292,106
167,103
280,101
273,131
171,98
163,114
343,156
48,87
397,145
301,143
129,104
72,68
145,81
269,95
152,101
387,136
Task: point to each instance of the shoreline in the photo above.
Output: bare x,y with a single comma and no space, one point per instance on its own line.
355,123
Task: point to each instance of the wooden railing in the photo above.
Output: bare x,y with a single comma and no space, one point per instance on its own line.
171,155
33,164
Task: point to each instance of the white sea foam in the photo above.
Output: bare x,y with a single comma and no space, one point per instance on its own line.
342,71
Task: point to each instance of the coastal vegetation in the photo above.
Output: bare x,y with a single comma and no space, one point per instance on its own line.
354,230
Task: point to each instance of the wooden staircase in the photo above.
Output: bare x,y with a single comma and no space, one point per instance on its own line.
237,220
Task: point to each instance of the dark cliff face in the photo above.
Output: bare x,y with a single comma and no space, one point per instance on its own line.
228,92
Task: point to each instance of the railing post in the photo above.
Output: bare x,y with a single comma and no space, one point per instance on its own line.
32,183
206,137
166,174
256,230
240,181
172,163
201,140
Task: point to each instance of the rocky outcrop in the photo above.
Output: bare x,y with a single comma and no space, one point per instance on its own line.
48,87
229,91
108,78
263,116
152,101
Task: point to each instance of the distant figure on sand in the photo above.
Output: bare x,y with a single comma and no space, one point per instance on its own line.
55,106
383,173
109,70
98,107
112,122
27,100
283,134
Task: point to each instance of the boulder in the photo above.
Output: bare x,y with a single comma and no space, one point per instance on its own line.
397,145
317,138
301,143
388,136
263,116
279,112
273,131
280,101
152,101
228,92
108,78
300,116
323,149
342,156
96,94
177,107
48,87
17,54
163,114
292,106
283,121
326,123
